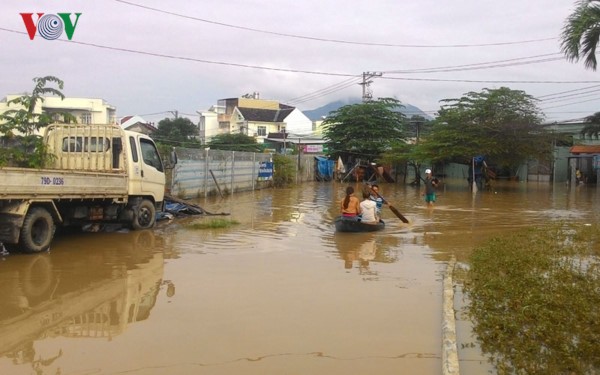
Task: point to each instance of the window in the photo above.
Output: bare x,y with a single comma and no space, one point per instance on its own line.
87,144
150,154
134,153
261,131
86,118
72,144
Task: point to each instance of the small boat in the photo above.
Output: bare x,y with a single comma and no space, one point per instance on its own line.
343,224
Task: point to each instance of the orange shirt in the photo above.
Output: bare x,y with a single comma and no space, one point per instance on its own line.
353,206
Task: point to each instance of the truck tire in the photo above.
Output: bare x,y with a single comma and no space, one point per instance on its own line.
144,216
37,231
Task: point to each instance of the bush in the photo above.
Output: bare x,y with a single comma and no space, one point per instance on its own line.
284,171
535,299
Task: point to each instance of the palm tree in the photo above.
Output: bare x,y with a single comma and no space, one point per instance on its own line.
592,126
581,33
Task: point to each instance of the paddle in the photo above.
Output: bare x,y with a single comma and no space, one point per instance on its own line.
394,210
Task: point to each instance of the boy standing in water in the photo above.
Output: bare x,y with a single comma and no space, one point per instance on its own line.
430,185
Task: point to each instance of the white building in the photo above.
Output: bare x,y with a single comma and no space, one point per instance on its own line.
252,116
86,110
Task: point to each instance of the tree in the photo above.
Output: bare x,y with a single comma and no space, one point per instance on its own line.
365,130
592,126
18,126
177,132
502,124
581,33
234,142
407,152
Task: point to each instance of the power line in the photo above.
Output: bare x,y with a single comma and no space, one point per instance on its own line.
568,91
324,91
460,68
571,96
331,40
480,81
291,70
568,104
155,54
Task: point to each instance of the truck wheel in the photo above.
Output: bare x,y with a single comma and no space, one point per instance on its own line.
145,215
37,231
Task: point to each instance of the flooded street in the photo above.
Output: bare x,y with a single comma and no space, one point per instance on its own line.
280,293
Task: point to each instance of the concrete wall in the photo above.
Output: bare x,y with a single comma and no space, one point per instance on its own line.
232,171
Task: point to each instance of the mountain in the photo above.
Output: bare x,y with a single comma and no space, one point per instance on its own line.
318,113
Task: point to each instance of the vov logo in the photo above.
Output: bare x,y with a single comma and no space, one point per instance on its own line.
50,26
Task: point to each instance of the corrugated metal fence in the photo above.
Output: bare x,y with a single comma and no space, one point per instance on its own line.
199,173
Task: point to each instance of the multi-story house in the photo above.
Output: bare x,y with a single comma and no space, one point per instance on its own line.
252,116
85,110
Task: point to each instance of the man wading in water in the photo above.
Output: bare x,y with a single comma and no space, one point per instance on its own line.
430,184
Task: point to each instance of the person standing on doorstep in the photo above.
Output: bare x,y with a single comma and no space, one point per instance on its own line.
350,207
368,209
430,185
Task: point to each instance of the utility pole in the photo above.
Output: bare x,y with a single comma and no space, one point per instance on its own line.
175,113
366,83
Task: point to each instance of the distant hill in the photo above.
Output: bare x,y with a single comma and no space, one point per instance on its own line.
318,113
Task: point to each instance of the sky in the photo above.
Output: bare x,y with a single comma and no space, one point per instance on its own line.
152,58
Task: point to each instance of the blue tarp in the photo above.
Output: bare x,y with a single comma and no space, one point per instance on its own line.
324,168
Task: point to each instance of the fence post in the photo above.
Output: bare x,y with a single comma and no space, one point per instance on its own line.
232,170
206,153
253,169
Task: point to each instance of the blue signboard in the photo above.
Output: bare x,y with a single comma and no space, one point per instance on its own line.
265,170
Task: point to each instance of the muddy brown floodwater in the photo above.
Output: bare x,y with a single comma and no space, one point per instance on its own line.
280,293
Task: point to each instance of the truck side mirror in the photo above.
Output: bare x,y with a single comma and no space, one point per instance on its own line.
173,158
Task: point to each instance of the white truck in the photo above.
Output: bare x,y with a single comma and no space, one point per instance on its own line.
96,174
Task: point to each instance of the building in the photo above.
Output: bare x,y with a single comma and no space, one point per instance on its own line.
85,110
252,116
580,152
208,126
137,124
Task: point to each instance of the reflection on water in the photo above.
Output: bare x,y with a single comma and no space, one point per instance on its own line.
84,291
281,292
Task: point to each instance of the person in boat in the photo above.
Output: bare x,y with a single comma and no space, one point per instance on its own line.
350,207
375,197
368,208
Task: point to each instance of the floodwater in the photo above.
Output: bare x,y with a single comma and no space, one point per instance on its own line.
280,293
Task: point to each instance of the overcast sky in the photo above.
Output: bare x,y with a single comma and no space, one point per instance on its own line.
149,57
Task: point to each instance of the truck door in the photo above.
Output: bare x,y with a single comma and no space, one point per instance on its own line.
148,167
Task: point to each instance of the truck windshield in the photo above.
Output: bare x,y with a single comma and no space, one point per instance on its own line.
150,154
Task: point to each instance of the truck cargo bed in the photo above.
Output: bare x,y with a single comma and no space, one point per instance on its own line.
28,183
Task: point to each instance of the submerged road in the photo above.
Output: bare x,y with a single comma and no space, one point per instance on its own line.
279,293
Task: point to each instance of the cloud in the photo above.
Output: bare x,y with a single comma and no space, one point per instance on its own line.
157,56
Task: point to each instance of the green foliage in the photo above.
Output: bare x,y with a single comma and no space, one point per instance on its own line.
23,120
534,300
213,224
366,129
284,171
502,124
592,126
234,142
581,33
21,146
177,132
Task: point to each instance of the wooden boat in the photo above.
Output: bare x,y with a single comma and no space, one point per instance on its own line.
343,224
